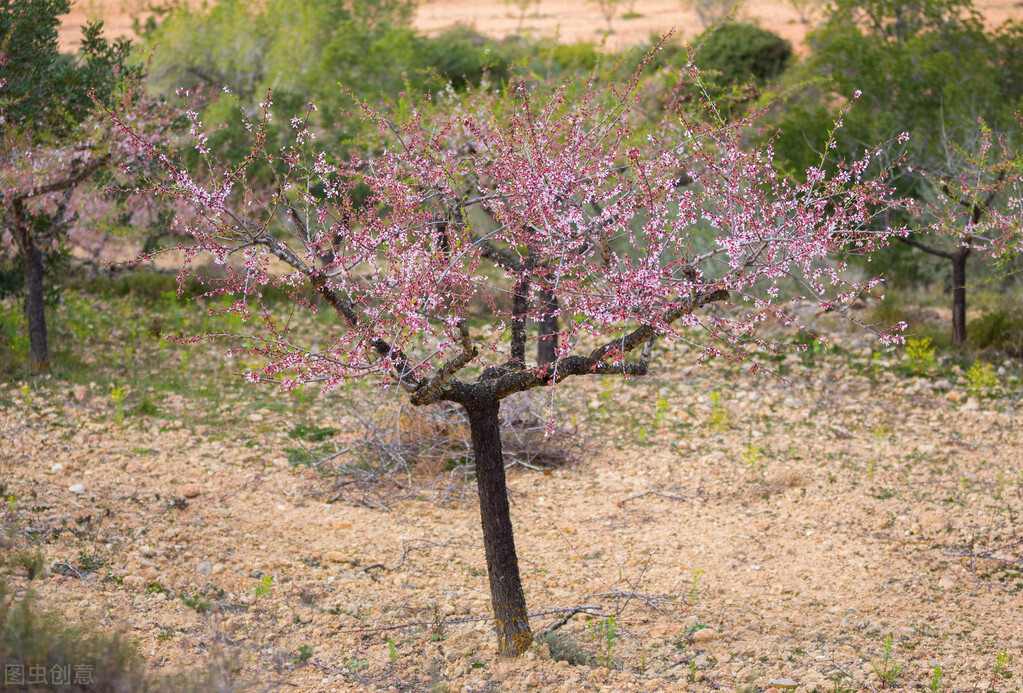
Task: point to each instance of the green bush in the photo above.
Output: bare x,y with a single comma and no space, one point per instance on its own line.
1000,330
740,52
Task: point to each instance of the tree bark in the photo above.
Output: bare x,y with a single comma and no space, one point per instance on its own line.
35,308
547,345
959,297
509,603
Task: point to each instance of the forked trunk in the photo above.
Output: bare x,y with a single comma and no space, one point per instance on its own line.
959,297
509,603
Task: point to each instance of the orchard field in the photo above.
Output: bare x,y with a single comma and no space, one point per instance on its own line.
739,531
265,277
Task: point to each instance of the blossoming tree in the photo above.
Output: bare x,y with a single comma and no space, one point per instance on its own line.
635,228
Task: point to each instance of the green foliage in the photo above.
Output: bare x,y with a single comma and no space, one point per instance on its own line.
935,684
694,590
304,50
313,434
718,414
741,52
981,377
196,602
47,91
920,354
605,633
118,395
928,68
887,669
304,654
1001,330
264,587
1002,660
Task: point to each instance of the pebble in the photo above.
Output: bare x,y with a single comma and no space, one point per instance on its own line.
77,488
787,684
190,491
204,568
57,468
705,635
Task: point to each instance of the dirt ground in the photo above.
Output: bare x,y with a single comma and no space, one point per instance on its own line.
571,20
745,533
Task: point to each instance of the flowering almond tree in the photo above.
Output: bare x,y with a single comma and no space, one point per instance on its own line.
475,201
976,206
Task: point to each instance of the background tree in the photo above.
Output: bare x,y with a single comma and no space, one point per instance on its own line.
712,12
583,204
740,52
608,10
47,147
929,68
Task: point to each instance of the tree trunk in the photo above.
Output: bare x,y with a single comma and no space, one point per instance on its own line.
35,308
509,603
547,345
959,297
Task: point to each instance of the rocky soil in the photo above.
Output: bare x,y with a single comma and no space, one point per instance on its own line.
716,531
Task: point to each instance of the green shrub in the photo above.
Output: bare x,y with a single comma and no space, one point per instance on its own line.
740,51
1000,330
460,54
565,649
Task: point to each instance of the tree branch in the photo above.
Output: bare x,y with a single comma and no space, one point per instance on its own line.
73,179
926,248
429,391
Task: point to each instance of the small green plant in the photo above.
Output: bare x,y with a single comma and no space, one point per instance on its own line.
196,602
118,395
981,378
90,561
661,414
1002,666
305,653
887,669
264,587
752,456
145,407
165,635
26,394
934,686
314,434
605,632
392,651
694,590
920,354
718,414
